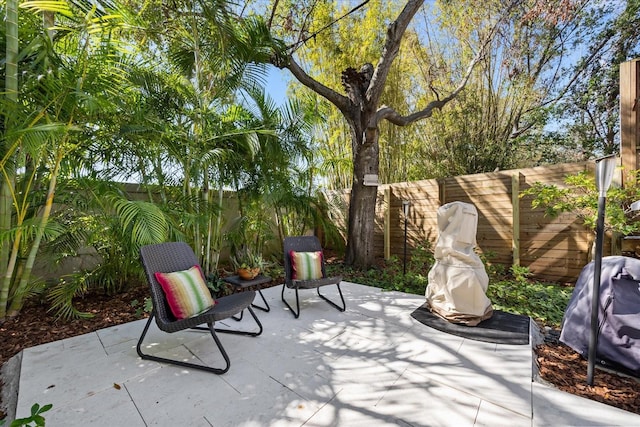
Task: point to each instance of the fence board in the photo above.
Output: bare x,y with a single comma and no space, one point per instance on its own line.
552,248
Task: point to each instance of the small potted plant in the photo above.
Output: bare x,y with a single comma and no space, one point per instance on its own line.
247,263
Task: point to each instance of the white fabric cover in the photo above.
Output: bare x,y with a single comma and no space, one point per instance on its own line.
458,280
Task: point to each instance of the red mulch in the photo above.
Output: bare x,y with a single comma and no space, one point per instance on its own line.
558,364
567,370
35,326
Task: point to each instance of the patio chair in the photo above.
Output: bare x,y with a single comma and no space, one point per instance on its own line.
164,264
309,273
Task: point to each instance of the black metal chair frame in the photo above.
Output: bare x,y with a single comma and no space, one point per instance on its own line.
177,256
307,244
239,284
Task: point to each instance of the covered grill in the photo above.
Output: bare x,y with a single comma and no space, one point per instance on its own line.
618,318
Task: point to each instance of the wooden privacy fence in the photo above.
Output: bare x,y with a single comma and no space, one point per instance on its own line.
509,232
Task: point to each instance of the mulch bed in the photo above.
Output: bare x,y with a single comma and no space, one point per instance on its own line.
561,366
558,364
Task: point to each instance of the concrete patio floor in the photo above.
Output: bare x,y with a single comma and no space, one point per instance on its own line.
372,365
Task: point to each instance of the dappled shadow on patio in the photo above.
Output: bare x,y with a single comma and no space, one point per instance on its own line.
370,365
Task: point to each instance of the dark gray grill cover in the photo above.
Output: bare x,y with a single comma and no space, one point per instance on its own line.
619,316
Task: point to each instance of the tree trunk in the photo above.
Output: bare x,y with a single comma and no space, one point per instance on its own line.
362,208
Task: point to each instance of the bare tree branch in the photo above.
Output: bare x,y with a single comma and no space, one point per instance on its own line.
342,102
596,50
303,29
395,32
273,13
394,117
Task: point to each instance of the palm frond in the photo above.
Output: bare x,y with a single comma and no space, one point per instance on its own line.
146,221
61,7
61,295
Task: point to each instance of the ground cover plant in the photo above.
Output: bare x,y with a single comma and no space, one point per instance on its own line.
511,291
542,301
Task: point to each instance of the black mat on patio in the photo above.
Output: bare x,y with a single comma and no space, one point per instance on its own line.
502,328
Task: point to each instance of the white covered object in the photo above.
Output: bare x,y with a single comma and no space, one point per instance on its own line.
458,280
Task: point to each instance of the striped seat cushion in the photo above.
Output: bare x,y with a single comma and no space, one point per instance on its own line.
186,292
306,265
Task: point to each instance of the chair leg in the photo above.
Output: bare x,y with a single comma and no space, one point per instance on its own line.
212,330
238,319
236,332
266,304
344,305
296,314
265,308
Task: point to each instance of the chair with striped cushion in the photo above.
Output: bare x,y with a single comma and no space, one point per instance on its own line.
304,268
182,301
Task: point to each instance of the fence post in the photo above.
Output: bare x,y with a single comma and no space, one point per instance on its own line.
515,209
629,116
442,191
616,243
387,222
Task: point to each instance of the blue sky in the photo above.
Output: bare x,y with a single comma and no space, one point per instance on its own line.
276,86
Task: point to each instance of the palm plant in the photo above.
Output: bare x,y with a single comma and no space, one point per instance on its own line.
11,47
208,52
277,190
100,215
70,84
88,110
